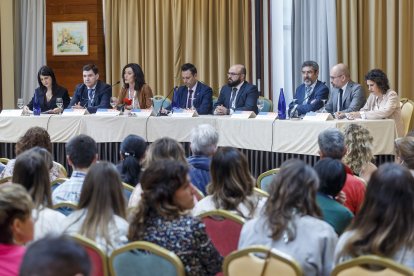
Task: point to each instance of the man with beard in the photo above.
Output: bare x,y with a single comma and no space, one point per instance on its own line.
310,93
238,94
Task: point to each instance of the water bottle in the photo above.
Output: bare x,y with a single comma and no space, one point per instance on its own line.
281,106
36,105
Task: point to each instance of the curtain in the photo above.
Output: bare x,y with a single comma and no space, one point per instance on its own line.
161,35
378,34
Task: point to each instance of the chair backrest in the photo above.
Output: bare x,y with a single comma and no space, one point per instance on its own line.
264,179
371,265
145,259
5,179
4,160
65,208
224,229
407,108
268,104
214,100
260,260
62,169
127,190
55,183
157,100
260,192
97,257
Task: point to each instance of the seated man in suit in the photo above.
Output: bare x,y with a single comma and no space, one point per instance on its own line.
238,94
309,95
92,93
346,95
193,94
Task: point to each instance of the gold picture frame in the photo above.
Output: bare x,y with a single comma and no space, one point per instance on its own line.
70,38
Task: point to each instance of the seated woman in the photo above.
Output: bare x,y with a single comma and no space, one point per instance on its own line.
101,214
132,152
32,171
34,136
231,187
290,221
47,92
404,152
384,225
359,155
16,227
382,103
135,93
162,218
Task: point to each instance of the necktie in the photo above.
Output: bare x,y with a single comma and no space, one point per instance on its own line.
339,105
307,94
91,94
233,98
190,98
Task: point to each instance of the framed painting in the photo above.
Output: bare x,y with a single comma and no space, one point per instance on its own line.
70,38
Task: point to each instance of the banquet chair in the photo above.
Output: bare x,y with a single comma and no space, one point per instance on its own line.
4,160
407,107
97,257
223,228
5,179
371,265
65,208
62,169
127,190
145,259
214,100
264,179
268,104
260,192
157,101
55,183
260,260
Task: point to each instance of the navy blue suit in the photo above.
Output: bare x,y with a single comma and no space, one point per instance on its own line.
203,98
101,100
246,97
61,92
314,102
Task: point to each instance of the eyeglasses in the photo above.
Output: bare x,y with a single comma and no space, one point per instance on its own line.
332,78
233,74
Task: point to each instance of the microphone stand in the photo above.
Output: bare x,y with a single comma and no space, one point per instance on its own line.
159,113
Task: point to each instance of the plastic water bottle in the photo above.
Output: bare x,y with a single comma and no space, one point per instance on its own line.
36,106
281,106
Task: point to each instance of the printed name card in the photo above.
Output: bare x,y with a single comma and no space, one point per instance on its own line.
74,112
11,112
186,113
267,116
145,113
313,116
243,114
107,112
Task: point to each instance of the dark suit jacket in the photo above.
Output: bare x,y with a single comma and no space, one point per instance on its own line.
246,98
203,98
61,92
314,102
353,98
101,100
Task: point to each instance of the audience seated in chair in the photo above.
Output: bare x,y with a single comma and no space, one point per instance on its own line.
404,152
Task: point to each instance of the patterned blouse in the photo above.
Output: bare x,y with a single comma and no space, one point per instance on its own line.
185,236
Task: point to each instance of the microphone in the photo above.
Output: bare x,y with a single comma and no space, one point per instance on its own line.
103,90
169,93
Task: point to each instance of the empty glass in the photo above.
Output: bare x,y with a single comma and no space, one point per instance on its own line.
20,103
113,102
59,103
260,104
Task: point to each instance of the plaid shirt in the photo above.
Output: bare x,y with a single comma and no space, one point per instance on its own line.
69,190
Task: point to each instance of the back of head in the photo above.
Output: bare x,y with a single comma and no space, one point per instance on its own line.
15,203
404,150
30,170
165,148
53,256
82,151
331,143
204,140
332,176
34,136
358,141
133,150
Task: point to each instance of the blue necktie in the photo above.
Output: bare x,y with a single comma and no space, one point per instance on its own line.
307,94
190,98
91,95
233,98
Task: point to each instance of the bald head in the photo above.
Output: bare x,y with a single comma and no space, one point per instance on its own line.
339,75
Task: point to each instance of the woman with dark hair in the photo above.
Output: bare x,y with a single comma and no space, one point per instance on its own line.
163,218
290,221
135,93
404,152
231,187
101,210
384,225
47,92
382,103
132,153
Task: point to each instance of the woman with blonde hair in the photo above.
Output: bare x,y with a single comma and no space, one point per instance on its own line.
359,155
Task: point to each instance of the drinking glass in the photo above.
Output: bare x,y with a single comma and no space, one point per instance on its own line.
113,102
323,110
260,104
20,103
59,103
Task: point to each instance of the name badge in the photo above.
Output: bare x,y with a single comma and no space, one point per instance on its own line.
107,112
11,112
266,116
145,113
313,116
243,114
188,113
73,112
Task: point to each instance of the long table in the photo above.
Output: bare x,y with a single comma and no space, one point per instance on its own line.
289,137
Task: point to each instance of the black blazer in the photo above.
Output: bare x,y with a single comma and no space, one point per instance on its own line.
45,105
246,98
203,98
101,100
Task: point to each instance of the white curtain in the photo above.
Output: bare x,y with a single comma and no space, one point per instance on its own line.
33,46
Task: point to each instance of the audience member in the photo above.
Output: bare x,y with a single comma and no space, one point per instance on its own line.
16,227
238,94
81,153
232,186
101,210
31,171
290,221
384,225
132,152
332,176
203,144
404,152
161,218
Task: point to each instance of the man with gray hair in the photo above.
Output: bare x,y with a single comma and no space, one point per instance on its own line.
332,144
203,144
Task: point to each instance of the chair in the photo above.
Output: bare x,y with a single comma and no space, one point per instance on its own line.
4,160
97,257
215,99
407,107
268,104
5,179
260,192
224,229
127,190
260,260
371,265
145,259
157,100
55,183
65,208
62,169
264,179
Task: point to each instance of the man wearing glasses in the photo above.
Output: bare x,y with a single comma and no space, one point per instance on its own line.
311,93
238,94
346,95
